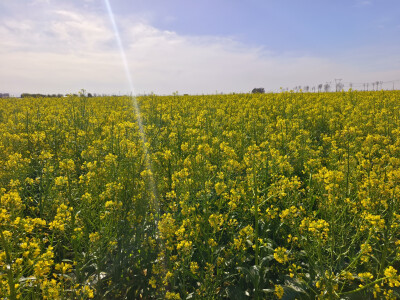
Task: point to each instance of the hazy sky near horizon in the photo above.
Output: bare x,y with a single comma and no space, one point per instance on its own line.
49,46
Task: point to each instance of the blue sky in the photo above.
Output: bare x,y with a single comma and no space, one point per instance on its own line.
301,26
193,46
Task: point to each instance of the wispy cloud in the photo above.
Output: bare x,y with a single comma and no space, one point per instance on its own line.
67,50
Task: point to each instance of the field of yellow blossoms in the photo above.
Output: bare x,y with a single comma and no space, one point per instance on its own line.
264,196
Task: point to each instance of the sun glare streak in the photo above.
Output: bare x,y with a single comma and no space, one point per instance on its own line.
135,103
120,46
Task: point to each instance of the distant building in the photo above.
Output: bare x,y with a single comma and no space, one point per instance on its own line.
4,95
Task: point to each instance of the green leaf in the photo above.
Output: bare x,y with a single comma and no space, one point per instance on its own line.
236,293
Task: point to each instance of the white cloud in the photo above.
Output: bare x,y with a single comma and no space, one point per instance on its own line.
67,50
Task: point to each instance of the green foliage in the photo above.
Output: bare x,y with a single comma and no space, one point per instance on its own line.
289,196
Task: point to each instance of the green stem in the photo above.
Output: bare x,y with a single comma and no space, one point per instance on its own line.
255,213
358,256
363,287
387,231
305,282
255,195
11,284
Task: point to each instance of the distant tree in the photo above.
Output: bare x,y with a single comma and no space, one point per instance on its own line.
319,87
258,91
338,85
89,95
306,88
327,86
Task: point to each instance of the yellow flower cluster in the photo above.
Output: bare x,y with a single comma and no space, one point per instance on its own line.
62,218
200,196
280,255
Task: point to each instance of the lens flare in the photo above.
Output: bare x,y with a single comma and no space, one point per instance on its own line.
135,105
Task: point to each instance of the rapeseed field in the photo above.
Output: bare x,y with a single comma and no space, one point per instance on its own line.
262,196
